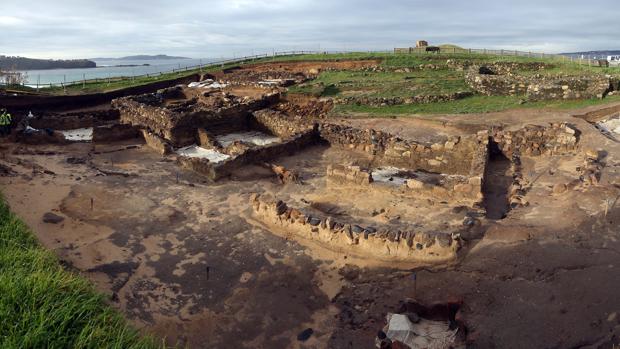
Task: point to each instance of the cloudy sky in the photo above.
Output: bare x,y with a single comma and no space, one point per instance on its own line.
223,28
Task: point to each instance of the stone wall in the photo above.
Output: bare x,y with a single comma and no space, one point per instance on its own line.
157,143
115,132
455,156
382,243
70,121
343,174
568,88
421,99
556,138
179,123
253,155
535,87
279,124
455,188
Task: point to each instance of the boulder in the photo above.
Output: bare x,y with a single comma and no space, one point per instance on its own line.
52,218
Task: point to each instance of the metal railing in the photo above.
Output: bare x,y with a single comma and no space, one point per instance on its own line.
514,53
196,67
239,60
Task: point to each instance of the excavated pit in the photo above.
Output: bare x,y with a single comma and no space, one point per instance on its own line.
497,184
278,204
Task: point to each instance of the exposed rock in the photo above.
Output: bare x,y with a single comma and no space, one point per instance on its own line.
52,218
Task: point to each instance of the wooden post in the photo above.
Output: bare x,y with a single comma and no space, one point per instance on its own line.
83,81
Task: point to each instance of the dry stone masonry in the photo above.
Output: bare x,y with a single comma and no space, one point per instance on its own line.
507,80
381,243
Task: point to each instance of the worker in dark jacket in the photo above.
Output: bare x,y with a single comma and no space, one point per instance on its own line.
5,122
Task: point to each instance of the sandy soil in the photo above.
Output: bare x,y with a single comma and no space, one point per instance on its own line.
182,258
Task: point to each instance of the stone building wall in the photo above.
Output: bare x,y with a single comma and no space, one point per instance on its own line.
253,155
114,132
382,243
420,99
454,156
279,124
490,81
455,188
556,138
179,124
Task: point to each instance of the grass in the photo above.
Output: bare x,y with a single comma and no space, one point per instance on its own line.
384,84
44,306
474,104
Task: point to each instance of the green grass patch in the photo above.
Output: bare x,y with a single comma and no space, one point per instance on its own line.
384,84
44,306
474,104
387,60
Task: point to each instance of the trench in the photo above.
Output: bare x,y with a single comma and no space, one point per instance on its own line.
497,184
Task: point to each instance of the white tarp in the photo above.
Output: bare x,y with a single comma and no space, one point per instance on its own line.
194,151
207,84
253,137
78,134
421,335
610,127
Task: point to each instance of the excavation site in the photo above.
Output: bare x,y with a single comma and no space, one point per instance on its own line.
276,204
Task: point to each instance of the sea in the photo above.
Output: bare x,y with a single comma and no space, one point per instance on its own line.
110,69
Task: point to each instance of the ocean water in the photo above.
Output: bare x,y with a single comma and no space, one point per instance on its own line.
110,69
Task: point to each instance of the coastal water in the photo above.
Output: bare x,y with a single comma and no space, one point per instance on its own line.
110,69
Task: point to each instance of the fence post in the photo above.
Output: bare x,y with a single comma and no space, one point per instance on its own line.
83,81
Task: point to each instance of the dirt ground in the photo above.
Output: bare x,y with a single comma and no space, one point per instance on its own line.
183,258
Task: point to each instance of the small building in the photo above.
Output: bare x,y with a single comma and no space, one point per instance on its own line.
421,43
614,60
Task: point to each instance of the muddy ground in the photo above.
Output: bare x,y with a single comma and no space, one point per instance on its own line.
183,258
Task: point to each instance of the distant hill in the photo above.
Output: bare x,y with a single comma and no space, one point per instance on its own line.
593,54
23,63
141,58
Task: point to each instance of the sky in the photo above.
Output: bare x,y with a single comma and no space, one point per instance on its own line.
227,28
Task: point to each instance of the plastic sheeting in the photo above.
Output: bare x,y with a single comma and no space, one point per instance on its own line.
194,151
423,334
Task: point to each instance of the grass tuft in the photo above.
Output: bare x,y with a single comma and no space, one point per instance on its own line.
44,306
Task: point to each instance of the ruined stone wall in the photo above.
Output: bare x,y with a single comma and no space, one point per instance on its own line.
279,124
259,154
179,124
536,87
69,121
455,188
500,67
157,143
556,138
568,88
115,132
454,156
382,243
344,174
421,99
498,85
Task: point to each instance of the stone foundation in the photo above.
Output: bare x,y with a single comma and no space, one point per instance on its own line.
251,155
458,155
491,81
177,118
382,243
421,99
157,143
115,132
441,187
556,138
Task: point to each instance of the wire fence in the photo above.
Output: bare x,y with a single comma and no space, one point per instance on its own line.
221,63
196,67
514,53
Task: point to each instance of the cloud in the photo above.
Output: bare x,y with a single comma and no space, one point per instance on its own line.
215,28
